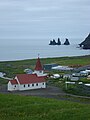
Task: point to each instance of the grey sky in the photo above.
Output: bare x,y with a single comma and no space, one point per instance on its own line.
44,18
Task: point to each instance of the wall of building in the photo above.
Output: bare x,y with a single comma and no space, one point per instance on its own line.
32,86
12,87
39,73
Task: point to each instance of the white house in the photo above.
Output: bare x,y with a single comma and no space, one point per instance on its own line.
74,78
35,80
67,76
88,77
55,76
83,73
26,82
62,68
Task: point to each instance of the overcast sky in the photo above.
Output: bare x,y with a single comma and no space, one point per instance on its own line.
44,18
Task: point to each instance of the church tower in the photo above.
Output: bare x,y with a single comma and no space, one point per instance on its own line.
38,68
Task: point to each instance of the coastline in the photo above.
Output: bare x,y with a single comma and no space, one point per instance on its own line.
44,58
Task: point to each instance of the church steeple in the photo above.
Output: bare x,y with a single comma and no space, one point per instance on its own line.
38,66
39,69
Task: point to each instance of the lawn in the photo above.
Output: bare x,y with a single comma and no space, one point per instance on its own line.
17,107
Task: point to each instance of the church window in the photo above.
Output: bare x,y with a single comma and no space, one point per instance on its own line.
36,84
43,83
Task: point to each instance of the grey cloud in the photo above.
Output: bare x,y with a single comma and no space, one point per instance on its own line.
42,17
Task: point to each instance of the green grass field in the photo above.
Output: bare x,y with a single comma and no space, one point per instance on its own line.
16,107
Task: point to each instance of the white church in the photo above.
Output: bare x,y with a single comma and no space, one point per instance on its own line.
36,80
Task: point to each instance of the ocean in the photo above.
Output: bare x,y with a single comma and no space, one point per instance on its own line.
27,49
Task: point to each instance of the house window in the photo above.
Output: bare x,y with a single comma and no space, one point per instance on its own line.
32,84
36,84
28,85
24,85
40,71
42,83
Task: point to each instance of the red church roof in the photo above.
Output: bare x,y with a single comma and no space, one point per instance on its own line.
38,65
29,78
13,82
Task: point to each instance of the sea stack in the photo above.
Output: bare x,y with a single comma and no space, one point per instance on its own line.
59,42
67,42
53,42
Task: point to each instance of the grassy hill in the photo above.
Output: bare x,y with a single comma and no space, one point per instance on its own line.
17,107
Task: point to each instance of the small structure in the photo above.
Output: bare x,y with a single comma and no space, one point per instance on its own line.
74,78
87,85
55,76
70,77
67,76
88,71
62,68
88,77
28,71
83,73
68,82
49,66
76,75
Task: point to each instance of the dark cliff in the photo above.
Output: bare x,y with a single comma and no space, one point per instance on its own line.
86,43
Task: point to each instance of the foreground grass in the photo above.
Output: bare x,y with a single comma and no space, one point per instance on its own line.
14,107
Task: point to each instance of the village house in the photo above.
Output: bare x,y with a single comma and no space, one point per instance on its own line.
88,77
36,80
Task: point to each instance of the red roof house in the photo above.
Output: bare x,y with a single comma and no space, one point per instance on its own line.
27,82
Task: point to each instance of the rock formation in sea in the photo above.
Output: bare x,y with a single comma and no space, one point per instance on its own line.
59,42
66,42
53,42
86,43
